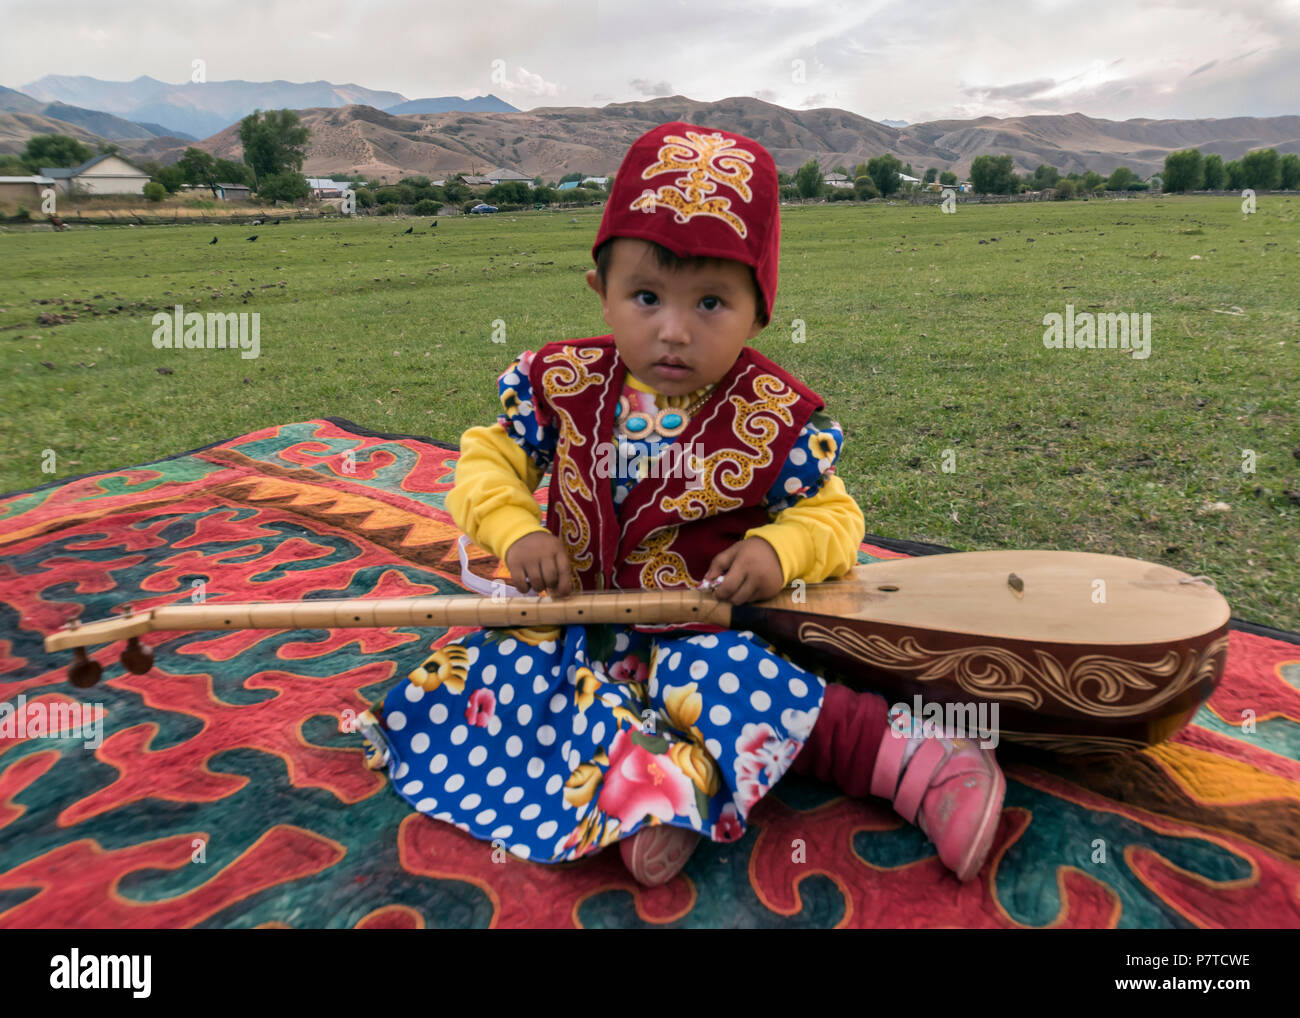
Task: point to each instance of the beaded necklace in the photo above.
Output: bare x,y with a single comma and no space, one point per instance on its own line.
669,422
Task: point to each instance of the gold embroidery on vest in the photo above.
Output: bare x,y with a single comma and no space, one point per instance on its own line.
709,159
566,374
661,568
733,469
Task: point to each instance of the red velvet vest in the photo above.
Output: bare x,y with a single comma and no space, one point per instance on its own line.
670,527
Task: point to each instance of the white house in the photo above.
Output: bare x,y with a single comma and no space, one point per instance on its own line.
836,180
500,175
908,180
104,174
324,187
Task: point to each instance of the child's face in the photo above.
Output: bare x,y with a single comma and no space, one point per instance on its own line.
679,331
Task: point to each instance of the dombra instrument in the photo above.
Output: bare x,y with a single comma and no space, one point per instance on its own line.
1081,653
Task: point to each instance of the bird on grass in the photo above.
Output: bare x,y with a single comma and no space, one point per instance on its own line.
435,223
410,229
212,241
253,237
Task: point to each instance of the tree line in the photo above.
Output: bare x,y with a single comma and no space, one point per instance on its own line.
882,176
425,198
1187,170
1262,170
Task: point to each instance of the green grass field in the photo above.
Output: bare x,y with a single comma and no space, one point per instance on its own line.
920,339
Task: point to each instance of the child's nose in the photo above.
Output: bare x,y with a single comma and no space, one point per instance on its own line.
672,327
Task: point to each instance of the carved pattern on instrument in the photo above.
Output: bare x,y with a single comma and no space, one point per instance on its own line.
732,470
1007,676
661,567
566,374
1081,745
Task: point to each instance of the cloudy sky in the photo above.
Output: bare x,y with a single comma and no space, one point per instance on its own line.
910,61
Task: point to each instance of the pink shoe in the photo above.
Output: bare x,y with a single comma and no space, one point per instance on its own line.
951,789
654,855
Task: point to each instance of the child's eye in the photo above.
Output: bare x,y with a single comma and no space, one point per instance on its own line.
647,293
717,301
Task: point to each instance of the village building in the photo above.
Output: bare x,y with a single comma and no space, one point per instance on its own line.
324,187
24,191
501,175
103,174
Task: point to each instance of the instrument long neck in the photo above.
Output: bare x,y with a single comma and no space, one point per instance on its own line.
631,607
642,607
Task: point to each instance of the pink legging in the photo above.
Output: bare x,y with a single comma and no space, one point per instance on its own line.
843,745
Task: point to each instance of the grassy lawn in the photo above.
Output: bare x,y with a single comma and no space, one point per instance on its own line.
926,344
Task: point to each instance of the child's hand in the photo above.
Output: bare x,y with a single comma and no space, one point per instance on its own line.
539,562
753,572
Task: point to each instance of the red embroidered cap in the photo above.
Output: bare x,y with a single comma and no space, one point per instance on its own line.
700,192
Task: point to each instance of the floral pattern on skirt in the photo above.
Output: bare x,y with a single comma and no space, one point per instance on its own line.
555,742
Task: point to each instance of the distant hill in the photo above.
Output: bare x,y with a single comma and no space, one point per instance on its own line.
453,104
1076,143
553,141
16,128
895,123
199,110
103,125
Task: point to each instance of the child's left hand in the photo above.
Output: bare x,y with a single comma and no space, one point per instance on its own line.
753,572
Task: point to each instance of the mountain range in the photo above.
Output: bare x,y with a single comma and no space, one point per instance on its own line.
383,134
197,110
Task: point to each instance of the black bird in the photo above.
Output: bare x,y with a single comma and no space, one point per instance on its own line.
435,223
212,241
253,237
409,229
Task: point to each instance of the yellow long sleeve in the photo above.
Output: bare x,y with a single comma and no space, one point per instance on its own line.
817,537
492,500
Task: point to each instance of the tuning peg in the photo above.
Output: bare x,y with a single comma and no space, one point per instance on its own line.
136,659
83,672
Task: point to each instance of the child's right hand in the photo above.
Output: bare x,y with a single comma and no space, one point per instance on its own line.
539,563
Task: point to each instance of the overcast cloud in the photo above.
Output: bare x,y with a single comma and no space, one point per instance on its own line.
904,61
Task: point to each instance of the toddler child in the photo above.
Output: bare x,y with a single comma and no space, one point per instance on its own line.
680,457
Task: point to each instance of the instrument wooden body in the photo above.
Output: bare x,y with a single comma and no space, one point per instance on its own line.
1081,653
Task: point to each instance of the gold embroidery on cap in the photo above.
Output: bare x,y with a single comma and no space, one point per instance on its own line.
709,159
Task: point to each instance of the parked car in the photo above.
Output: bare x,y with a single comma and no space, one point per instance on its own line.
482,208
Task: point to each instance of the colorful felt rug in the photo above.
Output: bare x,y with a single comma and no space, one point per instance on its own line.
224,794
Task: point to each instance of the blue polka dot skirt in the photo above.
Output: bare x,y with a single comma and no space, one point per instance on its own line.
555,742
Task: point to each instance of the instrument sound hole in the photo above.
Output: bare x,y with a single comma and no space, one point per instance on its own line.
888,589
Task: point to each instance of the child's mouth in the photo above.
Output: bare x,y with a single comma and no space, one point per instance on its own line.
672,369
